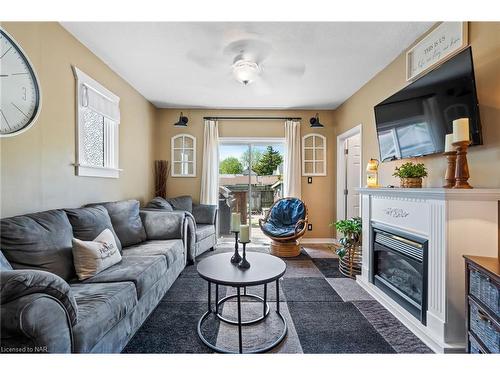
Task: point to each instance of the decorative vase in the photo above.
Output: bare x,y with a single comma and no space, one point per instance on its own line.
350,263
411,182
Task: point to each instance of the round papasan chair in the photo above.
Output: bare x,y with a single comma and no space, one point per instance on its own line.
285,224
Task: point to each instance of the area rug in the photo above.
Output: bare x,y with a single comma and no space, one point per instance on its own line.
325,313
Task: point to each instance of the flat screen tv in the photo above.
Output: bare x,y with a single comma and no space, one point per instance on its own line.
414,121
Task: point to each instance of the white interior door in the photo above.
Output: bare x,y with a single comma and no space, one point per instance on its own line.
353,176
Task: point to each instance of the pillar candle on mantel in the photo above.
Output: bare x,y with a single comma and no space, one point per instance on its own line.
461,130
235,222
244,233
448,147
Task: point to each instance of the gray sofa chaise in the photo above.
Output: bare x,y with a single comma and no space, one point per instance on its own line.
45,308
201,222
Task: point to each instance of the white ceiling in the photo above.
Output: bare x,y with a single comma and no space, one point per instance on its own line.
156,58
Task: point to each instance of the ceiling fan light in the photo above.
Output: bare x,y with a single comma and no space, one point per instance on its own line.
245,71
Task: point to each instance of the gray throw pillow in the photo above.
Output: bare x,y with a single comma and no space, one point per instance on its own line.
19,283
126,221
160,203
89,222
182,203
40,241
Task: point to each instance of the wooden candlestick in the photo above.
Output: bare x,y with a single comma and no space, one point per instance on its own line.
462,168
450,171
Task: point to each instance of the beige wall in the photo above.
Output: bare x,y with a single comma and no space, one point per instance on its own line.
319,196
484,161
36,166
36,170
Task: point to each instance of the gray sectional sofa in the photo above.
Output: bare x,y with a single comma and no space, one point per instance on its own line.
45,308
201,222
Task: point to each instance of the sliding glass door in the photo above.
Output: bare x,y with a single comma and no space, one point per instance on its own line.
250,181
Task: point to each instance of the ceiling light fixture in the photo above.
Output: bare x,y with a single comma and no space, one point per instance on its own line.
183,121
314,121
245,71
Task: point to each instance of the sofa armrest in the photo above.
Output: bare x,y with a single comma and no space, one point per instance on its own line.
205,213
163,225
35,323
15,284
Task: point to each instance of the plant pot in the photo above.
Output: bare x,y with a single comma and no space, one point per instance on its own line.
411,182
350,264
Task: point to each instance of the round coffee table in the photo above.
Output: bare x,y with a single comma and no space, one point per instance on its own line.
217,269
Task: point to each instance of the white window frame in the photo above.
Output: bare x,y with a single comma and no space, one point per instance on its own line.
110,168
183,148
314,148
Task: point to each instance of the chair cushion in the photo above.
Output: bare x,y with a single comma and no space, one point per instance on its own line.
171,249
100,308
160,203
143,271
40,241
274,231
287,212
203,231
126,221
182,203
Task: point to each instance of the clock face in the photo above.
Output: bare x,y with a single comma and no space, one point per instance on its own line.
19,89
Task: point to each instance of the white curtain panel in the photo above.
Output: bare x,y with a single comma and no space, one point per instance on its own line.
292,174
210,173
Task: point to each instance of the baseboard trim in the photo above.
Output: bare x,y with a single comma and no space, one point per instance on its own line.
329,241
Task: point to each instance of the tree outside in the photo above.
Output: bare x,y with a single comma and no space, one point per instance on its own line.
230,165
268,162
245,158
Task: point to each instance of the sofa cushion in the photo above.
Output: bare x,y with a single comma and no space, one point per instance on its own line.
126,221
4,263
18,283
89,222
205,213
160,203
92,257
143,271
182,203
100,308
203,231
39,241
171,249
162,225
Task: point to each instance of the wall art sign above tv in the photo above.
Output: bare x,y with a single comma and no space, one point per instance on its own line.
440,44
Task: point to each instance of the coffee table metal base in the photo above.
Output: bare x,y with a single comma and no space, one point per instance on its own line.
239,322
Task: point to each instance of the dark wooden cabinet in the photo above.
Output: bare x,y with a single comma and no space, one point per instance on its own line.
482,286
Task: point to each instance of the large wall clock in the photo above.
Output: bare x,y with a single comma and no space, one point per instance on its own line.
20,98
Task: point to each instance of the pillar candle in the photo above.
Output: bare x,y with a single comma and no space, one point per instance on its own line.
235,222
448,143
461,130
244,233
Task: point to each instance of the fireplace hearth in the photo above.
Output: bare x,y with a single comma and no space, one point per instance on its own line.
399,268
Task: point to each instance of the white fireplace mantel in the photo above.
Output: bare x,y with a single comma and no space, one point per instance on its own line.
455,222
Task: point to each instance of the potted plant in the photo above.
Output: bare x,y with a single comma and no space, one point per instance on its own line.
349,251
411,174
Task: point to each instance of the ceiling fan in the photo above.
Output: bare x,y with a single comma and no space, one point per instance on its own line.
249,60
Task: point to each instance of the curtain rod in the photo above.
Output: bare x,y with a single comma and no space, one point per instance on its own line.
249,118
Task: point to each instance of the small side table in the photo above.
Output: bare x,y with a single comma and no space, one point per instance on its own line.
218,270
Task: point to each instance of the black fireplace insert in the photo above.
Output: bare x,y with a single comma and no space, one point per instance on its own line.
399,268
